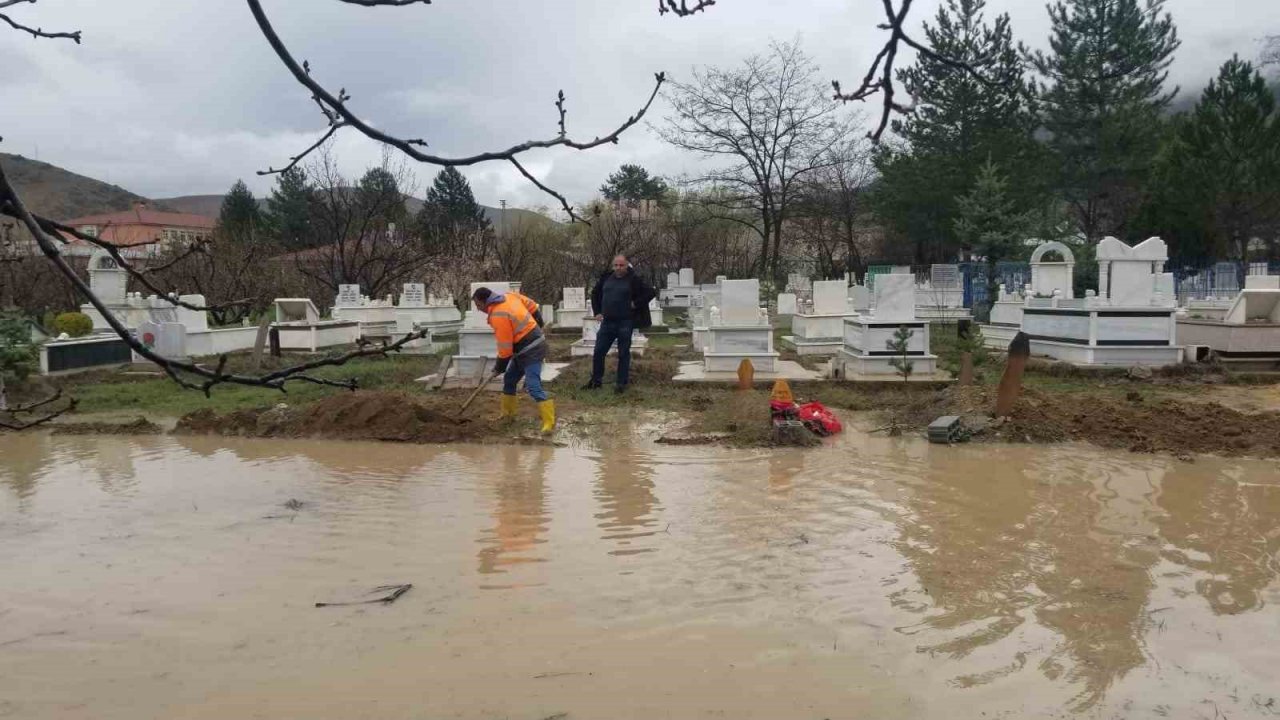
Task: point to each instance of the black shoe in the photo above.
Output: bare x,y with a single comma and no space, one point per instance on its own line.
619,389
591,385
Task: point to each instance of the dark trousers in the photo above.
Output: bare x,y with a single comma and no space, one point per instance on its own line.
612,331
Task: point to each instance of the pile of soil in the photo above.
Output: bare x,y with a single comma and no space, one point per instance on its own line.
384,416
1161,426
139,426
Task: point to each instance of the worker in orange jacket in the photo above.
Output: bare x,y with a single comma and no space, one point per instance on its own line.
517,326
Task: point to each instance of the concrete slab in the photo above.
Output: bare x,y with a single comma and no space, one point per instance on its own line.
550,371
694,371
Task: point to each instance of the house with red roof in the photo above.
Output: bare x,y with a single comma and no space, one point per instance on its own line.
141,231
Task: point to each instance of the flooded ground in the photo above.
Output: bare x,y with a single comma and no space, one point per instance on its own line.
161,577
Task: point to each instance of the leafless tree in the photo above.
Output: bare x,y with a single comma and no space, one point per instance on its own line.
362,233
831,217
1270,51
237,273
768,125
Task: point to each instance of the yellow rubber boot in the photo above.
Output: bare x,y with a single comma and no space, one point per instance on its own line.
547,410
508,407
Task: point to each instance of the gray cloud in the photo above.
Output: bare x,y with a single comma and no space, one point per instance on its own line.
169,97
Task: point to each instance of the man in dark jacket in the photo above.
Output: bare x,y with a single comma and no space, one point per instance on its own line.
620,301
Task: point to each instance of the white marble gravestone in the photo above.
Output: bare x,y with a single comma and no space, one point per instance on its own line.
1131,320
818,329
859,298
573,308
740,302
673,280
166,339
656,318
738,329
787,304
865,353
348,296
830,297
413,295
895,298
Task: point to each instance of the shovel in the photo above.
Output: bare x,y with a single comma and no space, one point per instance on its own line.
484,380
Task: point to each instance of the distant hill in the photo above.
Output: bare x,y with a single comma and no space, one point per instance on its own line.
210,205
206,205
60,194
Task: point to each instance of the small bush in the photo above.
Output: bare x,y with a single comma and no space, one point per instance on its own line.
75,324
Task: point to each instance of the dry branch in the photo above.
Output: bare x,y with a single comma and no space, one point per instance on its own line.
882,65
35,32
339,115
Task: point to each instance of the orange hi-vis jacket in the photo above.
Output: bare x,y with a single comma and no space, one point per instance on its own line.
511,317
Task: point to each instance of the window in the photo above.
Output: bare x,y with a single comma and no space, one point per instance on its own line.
90,230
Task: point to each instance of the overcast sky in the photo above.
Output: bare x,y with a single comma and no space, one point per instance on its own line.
178,97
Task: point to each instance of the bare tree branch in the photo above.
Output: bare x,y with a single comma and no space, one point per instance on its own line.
9,418
388,3
682,9
36,32
563,202
336,109
882,65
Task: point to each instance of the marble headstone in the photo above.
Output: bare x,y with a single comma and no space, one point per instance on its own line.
348,296
686,277
413,295
830,297
740,302
787,304
673,279
575,298
895,298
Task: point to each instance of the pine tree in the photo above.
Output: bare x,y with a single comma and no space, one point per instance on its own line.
19,357
959,123
1106,73
289,209
988,223
899,345
379,192
631,184
451,221
240,217
1224,161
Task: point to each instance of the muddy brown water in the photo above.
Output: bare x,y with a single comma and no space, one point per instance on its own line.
163,577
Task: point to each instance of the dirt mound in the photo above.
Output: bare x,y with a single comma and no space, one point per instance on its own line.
349,416
139,426
1162,426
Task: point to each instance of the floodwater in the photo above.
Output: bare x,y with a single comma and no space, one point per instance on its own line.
875,577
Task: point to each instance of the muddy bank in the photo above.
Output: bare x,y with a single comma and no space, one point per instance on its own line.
138,426
1132,423
393,417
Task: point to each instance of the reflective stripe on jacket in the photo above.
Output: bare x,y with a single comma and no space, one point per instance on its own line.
511,317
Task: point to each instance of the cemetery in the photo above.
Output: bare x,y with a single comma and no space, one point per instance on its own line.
818,326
